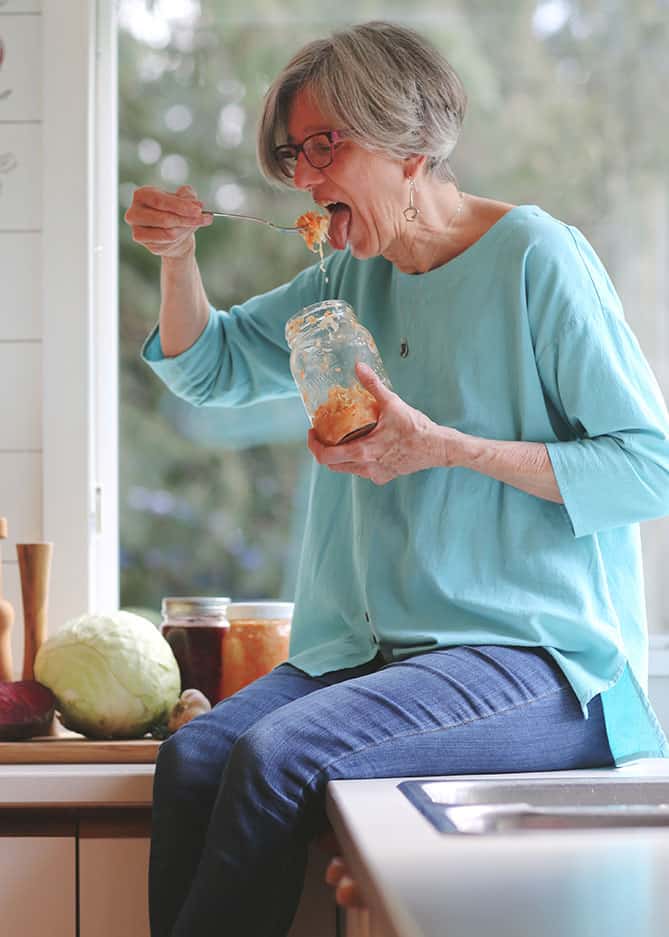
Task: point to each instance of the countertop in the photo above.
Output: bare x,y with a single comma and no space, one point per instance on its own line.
64,769
76,785
419,883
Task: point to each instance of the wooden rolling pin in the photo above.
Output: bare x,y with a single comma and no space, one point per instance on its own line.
35,569
6,621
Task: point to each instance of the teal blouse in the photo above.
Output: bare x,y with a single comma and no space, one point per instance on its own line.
521,337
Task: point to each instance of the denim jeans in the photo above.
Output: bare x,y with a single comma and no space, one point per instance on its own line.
240,792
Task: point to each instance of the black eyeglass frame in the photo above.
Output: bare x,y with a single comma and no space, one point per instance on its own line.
292,151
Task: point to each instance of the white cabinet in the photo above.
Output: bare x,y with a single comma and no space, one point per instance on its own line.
317,913
113,867
363,923
74,847
38,886
71,874
38,880
112,882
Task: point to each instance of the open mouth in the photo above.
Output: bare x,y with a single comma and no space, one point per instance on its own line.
340,223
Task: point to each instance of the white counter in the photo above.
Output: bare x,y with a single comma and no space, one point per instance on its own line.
420,883
119,785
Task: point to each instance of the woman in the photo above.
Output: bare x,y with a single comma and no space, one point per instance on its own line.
470,594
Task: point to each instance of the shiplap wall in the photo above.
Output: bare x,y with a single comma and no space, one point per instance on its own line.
20,290
58,299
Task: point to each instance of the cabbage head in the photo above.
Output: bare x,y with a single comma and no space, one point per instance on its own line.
114,676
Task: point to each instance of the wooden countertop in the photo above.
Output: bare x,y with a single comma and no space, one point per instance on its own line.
78,750
61,747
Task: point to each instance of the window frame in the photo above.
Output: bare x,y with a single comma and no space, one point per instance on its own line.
80,305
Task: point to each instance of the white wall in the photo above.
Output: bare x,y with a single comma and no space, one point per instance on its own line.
58,272
658,678
658,689
20,289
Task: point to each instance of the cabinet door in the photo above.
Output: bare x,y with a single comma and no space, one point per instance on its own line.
316,915
113,869
363,923
37,886
113,898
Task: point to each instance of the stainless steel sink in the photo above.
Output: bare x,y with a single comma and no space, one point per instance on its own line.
482,806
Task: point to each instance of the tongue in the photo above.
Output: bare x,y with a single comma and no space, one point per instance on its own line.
340,222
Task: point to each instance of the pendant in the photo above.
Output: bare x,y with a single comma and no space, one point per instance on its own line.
404,348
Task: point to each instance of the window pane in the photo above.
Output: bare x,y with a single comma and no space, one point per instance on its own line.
566,109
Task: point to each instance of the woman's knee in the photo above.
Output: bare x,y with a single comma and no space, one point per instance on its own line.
190,762
266,760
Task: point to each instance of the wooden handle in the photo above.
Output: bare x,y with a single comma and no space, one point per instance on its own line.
6,621
35,569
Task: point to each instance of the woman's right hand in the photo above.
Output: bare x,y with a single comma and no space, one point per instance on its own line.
164,223
347,890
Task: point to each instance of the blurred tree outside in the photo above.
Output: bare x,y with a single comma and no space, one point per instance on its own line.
567,109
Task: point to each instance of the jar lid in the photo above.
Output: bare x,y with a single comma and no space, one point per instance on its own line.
259,610
194,606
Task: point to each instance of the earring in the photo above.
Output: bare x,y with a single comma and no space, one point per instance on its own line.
411,213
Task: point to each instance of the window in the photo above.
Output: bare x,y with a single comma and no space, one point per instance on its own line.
564,111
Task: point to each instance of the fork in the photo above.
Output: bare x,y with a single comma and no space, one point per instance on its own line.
270,224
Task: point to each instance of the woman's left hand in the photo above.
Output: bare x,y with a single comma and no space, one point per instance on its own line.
404,440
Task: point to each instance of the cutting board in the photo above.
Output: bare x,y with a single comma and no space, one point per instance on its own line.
68,749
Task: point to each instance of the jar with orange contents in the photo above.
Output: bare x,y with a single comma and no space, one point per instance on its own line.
326,342
257,640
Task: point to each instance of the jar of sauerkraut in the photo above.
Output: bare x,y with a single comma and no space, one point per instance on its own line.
257,641
326,342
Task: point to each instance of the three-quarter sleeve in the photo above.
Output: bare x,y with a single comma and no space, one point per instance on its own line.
241,356
611,460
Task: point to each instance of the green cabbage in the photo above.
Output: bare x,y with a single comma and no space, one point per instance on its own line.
114,676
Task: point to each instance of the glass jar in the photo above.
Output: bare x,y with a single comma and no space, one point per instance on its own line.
326,341
257,641
195,628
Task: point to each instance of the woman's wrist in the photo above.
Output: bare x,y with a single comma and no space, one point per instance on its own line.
452,447
184,310
178,263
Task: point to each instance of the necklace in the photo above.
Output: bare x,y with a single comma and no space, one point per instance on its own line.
456,213
404,341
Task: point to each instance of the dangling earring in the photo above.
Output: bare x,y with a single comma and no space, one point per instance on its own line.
411,213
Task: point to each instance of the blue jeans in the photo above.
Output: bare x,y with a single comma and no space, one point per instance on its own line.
240,791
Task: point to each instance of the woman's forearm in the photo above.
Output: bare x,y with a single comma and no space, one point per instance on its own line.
184,308
407,441
524,465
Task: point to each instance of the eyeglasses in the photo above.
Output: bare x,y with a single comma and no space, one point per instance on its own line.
318,149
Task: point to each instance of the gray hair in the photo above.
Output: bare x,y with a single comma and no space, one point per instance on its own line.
389,88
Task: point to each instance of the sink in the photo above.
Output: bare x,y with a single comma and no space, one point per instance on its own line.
486,806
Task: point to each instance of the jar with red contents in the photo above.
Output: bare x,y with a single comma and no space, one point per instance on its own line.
195,627
257,640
